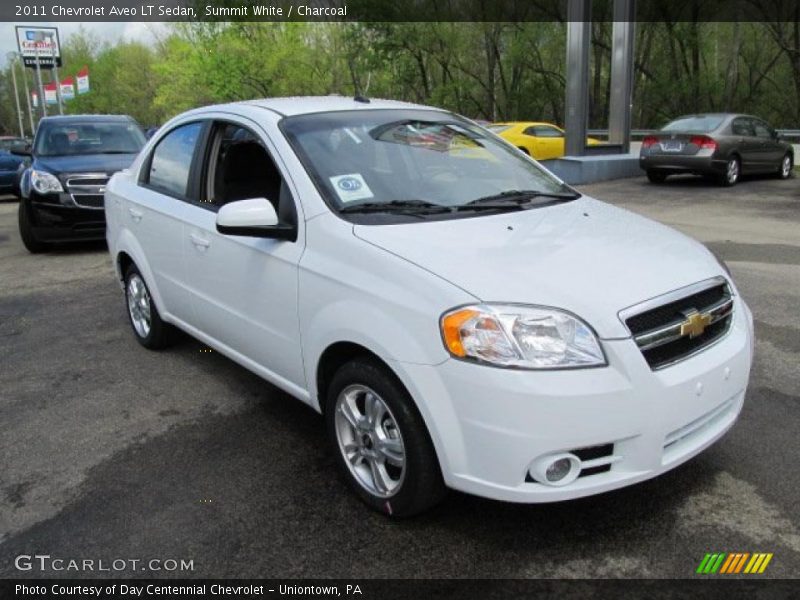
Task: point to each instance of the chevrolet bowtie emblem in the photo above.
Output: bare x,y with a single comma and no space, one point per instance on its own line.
695,323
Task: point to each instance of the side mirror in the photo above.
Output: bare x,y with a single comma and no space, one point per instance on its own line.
255,217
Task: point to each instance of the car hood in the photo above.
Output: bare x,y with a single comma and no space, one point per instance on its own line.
84,163
584,256
9,161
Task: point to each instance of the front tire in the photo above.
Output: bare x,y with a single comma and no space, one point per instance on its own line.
33,245
655,176
380,440
148,327
733,170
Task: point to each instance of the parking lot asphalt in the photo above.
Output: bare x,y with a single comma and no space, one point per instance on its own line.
109,451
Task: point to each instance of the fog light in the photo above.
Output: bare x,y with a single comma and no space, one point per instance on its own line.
556,469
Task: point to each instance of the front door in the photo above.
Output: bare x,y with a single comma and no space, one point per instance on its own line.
244,289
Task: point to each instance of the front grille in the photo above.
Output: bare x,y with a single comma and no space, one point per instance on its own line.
668,333
87,189
598,456
88,200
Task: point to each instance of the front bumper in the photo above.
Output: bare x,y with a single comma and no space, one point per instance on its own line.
57,218
490,424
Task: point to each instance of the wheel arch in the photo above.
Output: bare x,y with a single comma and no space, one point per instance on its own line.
334,357
129,252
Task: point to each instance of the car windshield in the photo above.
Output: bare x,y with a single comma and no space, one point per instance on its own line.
98,137
413,160
698,124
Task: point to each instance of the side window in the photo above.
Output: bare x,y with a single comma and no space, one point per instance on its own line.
742,126
241,168
547,131
172,160
543,131
762,130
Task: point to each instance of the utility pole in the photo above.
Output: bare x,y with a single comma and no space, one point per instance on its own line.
11,59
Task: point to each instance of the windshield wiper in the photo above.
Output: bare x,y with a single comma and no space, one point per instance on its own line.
114,152
413,207
512,199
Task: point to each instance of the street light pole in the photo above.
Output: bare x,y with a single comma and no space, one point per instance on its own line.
38,37
27,96
11,56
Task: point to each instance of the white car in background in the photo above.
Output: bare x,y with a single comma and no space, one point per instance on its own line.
460,316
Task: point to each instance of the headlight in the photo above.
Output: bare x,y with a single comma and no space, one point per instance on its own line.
528,337
45,183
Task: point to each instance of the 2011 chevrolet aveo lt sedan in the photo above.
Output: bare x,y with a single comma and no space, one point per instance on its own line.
460,316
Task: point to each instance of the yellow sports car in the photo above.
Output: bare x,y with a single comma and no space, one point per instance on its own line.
539,140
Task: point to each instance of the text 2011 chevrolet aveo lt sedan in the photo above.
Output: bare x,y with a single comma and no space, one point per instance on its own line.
461,317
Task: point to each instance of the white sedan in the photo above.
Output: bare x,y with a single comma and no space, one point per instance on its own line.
460,316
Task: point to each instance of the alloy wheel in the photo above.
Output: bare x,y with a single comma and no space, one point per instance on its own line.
139,305
732,173
786,166
370,440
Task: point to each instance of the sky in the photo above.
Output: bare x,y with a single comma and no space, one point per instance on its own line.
131,31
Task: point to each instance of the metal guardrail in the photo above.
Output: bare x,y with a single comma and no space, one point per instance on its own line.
792,135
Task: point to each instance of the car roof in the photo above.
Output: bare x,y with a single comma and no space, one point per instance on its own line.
83,118
301,105
525,123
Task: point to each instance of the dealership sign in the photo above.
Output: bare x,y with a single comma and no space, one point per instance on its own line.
67,88
83,80
39,41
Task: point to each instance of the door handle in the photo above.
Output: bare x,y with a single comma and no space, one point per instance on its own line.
136,215
199,242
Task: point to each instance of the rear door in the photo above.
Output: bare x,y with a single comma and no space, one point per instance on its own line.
770,150
155,213
746,144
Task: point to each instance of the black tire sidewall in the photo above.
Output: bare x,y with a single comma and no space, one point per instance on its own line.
422,485
29,240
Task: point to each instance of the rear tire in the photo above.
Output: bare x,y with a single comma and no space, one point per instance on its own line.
733,170
33,245
148,327
787,164
380,441
656,176
523,150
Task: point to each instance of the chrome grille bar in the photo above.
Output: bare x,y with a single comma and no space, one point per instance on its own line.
672,332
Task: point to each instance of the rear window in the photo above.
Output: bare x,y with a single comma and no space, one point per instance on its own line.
498,128
701,124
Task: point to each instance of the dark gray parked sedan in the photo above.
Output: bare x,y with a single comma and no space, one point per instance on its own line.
721,145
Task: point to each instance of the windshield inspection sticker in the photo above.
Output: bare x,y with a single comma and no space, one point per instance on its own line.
351,187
